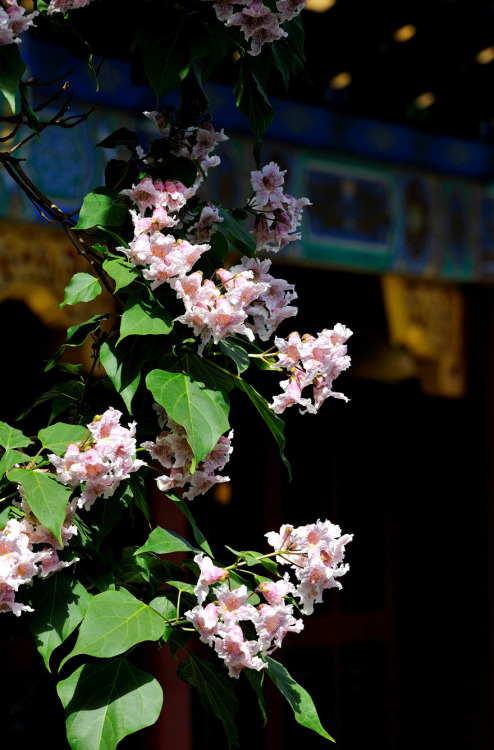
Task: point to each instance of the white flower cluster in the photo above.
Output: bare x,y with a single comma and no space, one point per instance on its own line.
314,552
311,360
105,459
20,562
173,452
256,21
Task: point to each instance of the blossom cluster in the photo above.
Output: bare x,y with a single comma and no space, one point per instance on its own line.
310,360
278,214
173,452
103,460
20,562
314,552
162,205
264,299
13,21
62,6
257,22
218,622
248,300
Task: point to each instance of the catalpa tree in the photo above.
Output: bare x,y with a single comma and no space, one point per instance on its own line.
190,325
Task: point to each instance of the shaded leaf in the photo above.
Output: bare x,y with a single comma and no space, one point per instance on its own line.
60,603
237,234
273,421
198,535
256,679
139,492
215,691
252,100
298,698
165,57
62,394
124,365
237,353
12,68
106,701
82,288
120,137
76,336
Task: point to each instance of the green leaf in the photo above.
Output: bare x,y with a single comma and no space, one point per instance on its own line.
237,353
161,542
76,336
4,516
47,498
256,679
12,68
82,288
165,604
62,394
237,234
203,412
200,369
11,458
198,535
120,137
252,100
283,56
165,56
138,488
60,603
215,690
121,272
115,621
253,558
104,516
296,33
143,318
98,208
106,701
182,586
57,437
12,438
298,698
30,115
124,365
273,421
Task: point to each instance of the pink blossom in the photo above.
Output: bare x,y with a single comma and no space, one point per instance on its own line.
62,6
205,620
175,455
273,623
275,591
233,605
209,574
236,652
289,9
267,184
